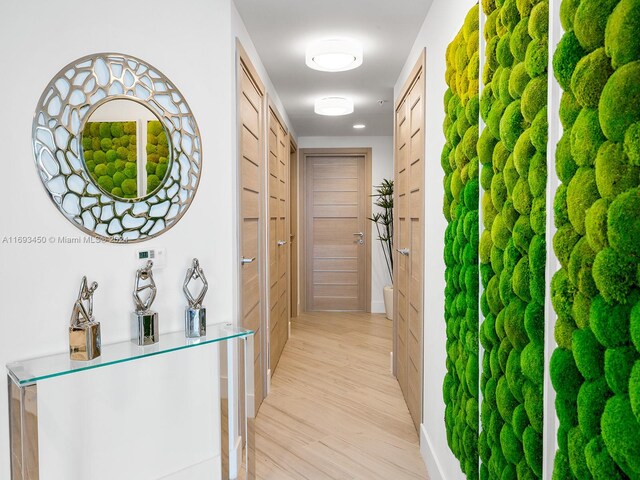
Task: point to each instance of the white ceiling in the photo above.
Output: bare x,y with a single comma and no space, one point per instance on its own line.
282,29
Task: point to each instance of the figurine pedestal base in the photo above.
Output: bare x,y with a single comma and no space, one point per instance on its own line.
84,341
195,322
144,328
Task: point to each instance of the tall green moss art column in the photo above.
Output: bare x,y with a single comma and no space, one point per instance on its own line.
512,151
596,368
460,164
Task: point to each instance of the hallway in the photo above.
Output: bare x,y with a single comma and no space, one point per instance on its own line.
334,410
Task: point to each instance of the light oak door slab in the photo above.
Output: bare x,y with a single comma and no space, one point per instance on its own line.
278,239
409,240
251,100
337,250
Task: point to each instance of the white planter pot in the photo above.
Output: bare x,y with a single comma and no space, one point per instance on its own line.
388,301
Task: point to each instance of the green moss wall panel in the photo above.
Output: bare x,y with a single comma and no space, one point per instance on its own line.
460,165
596,368
512,152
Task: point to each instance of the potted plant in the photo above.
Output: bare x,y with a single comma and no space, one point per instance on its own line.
383,219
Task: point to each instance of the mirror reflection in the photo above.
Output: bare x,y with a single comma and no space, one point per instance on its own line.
126,149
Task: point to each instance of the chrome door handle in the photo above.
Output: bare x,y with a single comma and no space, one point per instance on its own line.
361,234
245,260
281,243
403,251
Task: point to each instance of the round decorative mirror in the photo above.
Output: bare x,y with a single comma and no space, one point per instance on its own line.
117,147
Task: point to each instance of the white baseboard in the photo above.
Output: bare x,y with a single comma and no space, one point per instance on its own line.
429,456
377,307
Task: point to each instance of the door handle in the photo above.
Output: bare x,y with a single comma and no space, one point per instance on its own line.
403,251
361,234
281,243
245,260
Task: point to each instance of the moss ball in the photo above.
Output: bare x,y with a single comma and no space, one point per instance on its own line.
532,443
560,214
588,354
537,176
579,268
519,40
614,175
523,153
534,97
117,129
538,24
153,182
586,137
469,142
493,119
564,240
632,144
621,434
509,14
503,51
562,293
618,363
563,332
512,125
533,405
518,80
106,183
613,274
565,376
537,261
577,461
532,362
566,57
590,76
582,192
623,225
619,105
567,13
538,215
600,463
634,389
129,186
486,176
489,212
486,102
105,144
537,57
521,279
105,130
522,235
118,178
569,110
472,110
522,197
621,40
504,95
540,130
117,192
590,22
609,321
486,144
500,156
566,166
580,310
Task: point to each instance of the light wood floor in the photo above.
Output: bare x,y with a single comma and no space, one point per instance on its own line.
334,410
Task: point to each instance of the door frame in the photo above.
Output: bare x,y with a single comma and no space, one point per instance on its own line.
302,235
293,229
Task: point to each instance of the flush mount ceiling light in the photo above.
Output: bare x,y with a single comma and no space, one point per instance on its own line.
335,55
333,106
359,126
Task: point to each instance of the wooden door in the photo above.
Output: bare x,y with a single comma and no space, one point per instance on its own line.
337,239
409,242
251,101
278,235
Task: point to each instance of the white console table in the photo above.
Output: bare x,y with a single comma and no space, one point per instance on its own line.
236,351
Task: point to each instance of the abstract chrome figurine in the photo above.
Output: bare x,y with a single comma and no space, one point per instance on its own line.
84,332
144,322
195,315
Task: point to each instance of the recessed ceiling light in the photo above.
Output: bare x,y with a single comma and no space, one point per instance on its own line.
333,106
335,55
359,126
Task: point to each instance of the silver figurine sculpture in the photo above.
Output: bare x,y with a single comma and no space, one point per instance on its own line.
84,331
145,322
195,314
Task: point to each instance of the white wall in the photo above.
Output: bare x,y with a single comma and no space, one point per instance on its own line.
381,168
440,27
39,283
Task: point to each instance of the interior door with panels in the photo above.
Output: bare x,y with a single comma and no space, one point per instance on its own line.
337,190
409,240
251,104
278,235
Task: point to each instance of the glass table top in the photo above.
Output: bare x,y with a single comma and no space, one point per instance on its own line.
30,371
